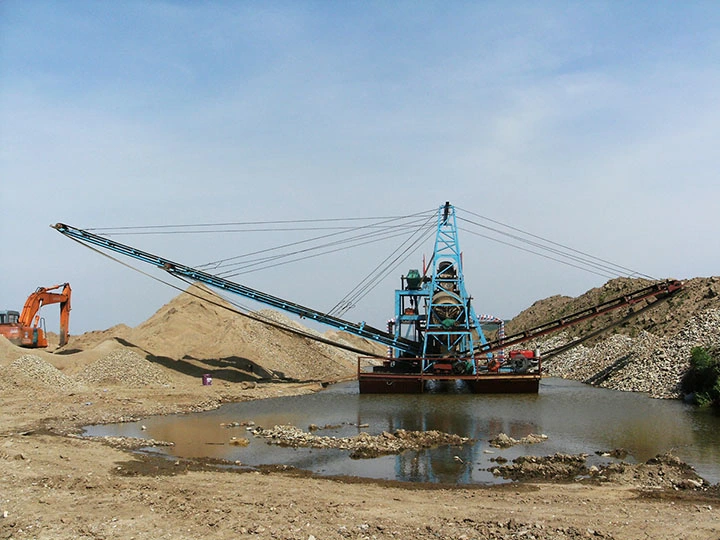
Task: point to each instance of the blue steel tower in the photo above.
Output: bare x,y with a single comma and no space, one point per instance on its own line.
452,328
446,328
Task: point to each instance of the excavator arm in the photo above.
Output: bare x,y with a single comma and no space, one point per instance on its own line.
30,315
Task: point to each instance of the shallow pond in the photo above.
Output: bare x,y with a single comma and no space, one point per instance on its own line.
577,418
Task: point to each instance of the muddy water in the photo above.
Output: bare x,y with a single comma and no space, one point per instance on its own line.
576,418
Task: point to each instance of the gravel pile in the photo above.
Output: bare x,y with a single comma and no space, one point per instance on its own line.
662,471
362,445
646,363
298,358
505,441
558,467
325,349
35,370
124,367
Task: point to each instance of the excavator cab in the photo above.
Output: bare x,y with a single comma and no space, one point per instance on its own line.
27,329
9,317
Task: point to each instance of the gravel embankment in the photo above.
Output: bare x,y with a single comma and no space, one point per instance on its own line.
646,363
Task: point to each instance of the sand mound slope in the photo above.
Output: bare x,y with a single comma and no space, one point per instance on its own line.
200,329
195,333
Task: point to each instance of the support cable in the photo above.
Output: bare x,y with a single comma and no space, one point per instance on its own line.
237,310
629,270
382,270
375,236
612,271
219,262
602,274
245,270
108,230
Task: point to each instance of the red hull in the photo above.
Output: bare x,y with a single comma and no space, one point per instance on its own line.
392,383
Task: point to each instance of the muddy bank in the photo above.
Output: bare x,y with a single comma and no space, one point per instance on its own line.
661,472
59,486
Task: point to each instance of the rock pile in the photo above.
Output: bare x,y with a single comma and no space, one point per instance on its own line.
558,467
662,471
513,529
33,370
645,363
664,319
362,445
132,443
125,367
505,441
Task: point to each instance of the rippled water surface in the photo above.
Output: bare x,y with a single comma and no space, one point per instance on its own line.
575,417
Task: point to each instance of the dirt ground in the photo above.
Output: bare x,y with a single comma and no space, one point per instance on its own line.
55,484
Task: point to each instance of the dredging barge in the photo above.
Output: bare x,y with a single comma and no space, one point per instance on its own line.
435,338
434,312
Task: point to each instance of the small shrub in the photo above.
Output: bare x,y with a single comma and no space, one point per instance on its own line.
703,377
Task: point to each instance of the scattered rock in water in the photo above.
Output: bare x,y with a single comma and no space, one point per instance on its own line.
505,441
132,443
664,471
363,445
618,453
239,441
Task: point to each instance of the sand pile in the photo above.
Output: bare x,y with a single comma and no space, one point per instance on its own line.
195,333
198,328
88,340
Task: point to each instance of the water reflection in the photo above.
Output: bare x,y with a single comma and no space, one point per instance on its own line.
576,418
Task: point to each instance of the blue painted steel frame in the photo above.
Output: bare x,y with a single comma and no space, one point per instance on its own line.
448,282
176,269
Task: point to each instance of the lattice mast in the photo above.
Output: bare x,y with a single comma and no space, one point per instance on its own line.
452,329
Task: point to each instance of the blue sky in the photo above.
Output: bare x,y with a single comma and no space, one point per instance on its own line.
595,124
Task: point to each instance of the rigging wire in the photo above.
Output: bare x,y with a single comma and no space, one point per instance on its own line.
239,309
611,272
237,223
601,274
220,231
308,240
384,234
388,269
244,270
382,269
629,271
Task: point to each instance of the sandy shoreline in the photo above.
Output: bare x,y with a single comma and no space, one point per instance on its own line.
57,485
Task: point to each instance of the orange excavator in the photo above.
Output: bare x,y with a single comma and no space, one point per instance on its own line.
27,329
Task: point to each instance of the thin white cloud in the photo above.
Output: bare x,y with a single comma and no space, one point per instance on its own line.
594,125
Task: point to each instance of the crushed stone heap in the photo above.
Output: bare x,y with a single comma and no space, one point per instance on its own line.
645,363
125,367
